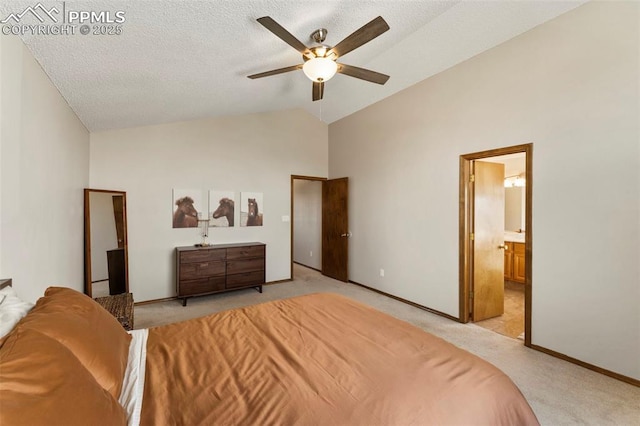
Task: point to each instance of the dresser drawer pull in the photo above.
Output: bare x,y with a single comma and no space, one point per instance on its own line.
204,265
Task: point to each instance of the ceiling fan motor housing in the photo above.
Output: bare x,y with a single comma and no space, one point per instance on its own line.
319,35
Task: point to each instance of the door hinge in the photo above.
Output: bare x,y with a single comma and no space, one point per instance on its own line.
472,236
471,294
472,178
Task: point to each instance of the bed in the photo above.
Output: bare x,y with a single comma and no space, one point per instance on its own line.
318,359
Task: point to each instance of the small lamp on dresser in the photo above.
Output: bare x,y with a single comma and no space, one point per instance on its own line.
203,224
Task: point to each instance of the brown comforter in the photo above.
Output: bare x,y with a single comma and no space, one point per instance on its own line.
321,359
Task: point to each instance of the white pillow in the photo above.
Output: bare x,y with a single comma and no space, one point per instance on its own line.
12,309
8,290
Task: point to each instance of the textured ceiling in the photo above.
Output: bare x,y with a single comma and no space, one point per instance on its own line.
183,60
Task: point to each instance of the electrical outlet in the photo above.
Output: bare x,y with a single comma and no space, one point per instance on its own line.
382,272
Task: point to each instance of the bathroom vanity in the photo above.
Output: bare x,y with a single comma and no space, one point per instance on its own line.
514,269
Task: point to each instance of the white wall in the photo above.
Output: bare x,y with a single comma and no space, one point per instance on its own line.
256,153
307,222
45,165
103,233
571,87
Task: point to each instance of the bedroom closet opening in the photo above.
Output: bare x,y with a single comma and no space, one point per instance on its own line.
495,240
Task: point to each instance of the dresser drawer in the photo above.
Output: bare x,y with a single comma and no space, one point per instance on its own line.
242,280
190,271
195,256
241,266
191,287
245,252
219,268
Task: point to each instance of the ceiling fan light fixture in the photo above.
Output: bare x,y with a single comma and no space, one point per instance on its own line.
320,70
320,60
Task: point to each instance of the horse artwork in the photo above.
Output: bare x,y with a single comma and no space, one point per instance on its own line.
255,217
186,204
226,208
185,216
251,201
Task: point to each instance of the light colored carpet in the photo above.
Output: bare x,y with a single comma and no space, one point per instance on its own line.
559,392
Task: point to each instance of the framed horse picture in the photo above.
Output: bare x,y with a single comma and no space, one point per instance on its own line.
222,208
188,207
251,209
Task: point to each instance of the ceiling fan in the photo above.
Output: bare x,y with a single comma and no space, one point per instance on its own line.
320,61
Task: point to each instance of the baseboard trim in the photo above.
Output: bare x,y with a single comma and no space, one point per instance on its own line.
286,280
553,353
148,302
617,376
166,299
622,378
307,266
408,302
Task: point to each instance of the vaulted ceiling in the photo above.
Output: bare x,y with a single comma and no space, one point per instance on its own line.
182,60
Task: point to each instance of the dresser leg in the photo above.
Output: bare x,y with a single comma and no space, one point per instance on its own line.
184,302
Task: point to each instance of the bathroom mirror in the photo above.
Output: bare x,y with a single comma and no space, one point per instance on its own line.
105,243
514,208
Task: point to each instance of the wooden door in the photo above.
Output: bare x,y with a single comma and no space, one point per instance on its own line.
118,214
488,244
335,228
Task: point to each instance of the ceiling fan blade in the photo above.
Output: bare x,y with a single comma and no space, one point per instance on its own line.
363,74
318,91
284,35
274,72
361,36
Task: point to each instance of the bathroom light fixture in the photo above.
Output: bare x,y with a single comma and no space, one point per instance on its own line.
320,70
515,181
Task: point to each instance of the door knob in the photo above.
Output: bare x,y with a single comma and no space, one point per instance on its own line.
503,246
348,234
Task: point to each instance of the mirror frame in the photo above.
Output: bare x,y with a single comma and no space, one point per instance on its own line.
88,285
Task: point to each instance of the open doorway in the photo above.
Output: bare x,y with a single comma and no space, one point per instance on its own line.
495,240
333,220
306,223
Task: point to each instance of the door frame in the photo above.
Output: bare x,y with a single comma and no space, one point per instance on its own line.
298,177
465,226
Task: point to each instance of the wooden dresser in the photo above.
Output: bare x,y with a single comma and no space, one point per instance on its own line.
219,268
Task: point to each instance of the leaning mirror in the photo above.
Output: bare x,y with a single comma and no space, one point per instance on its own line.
105,242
